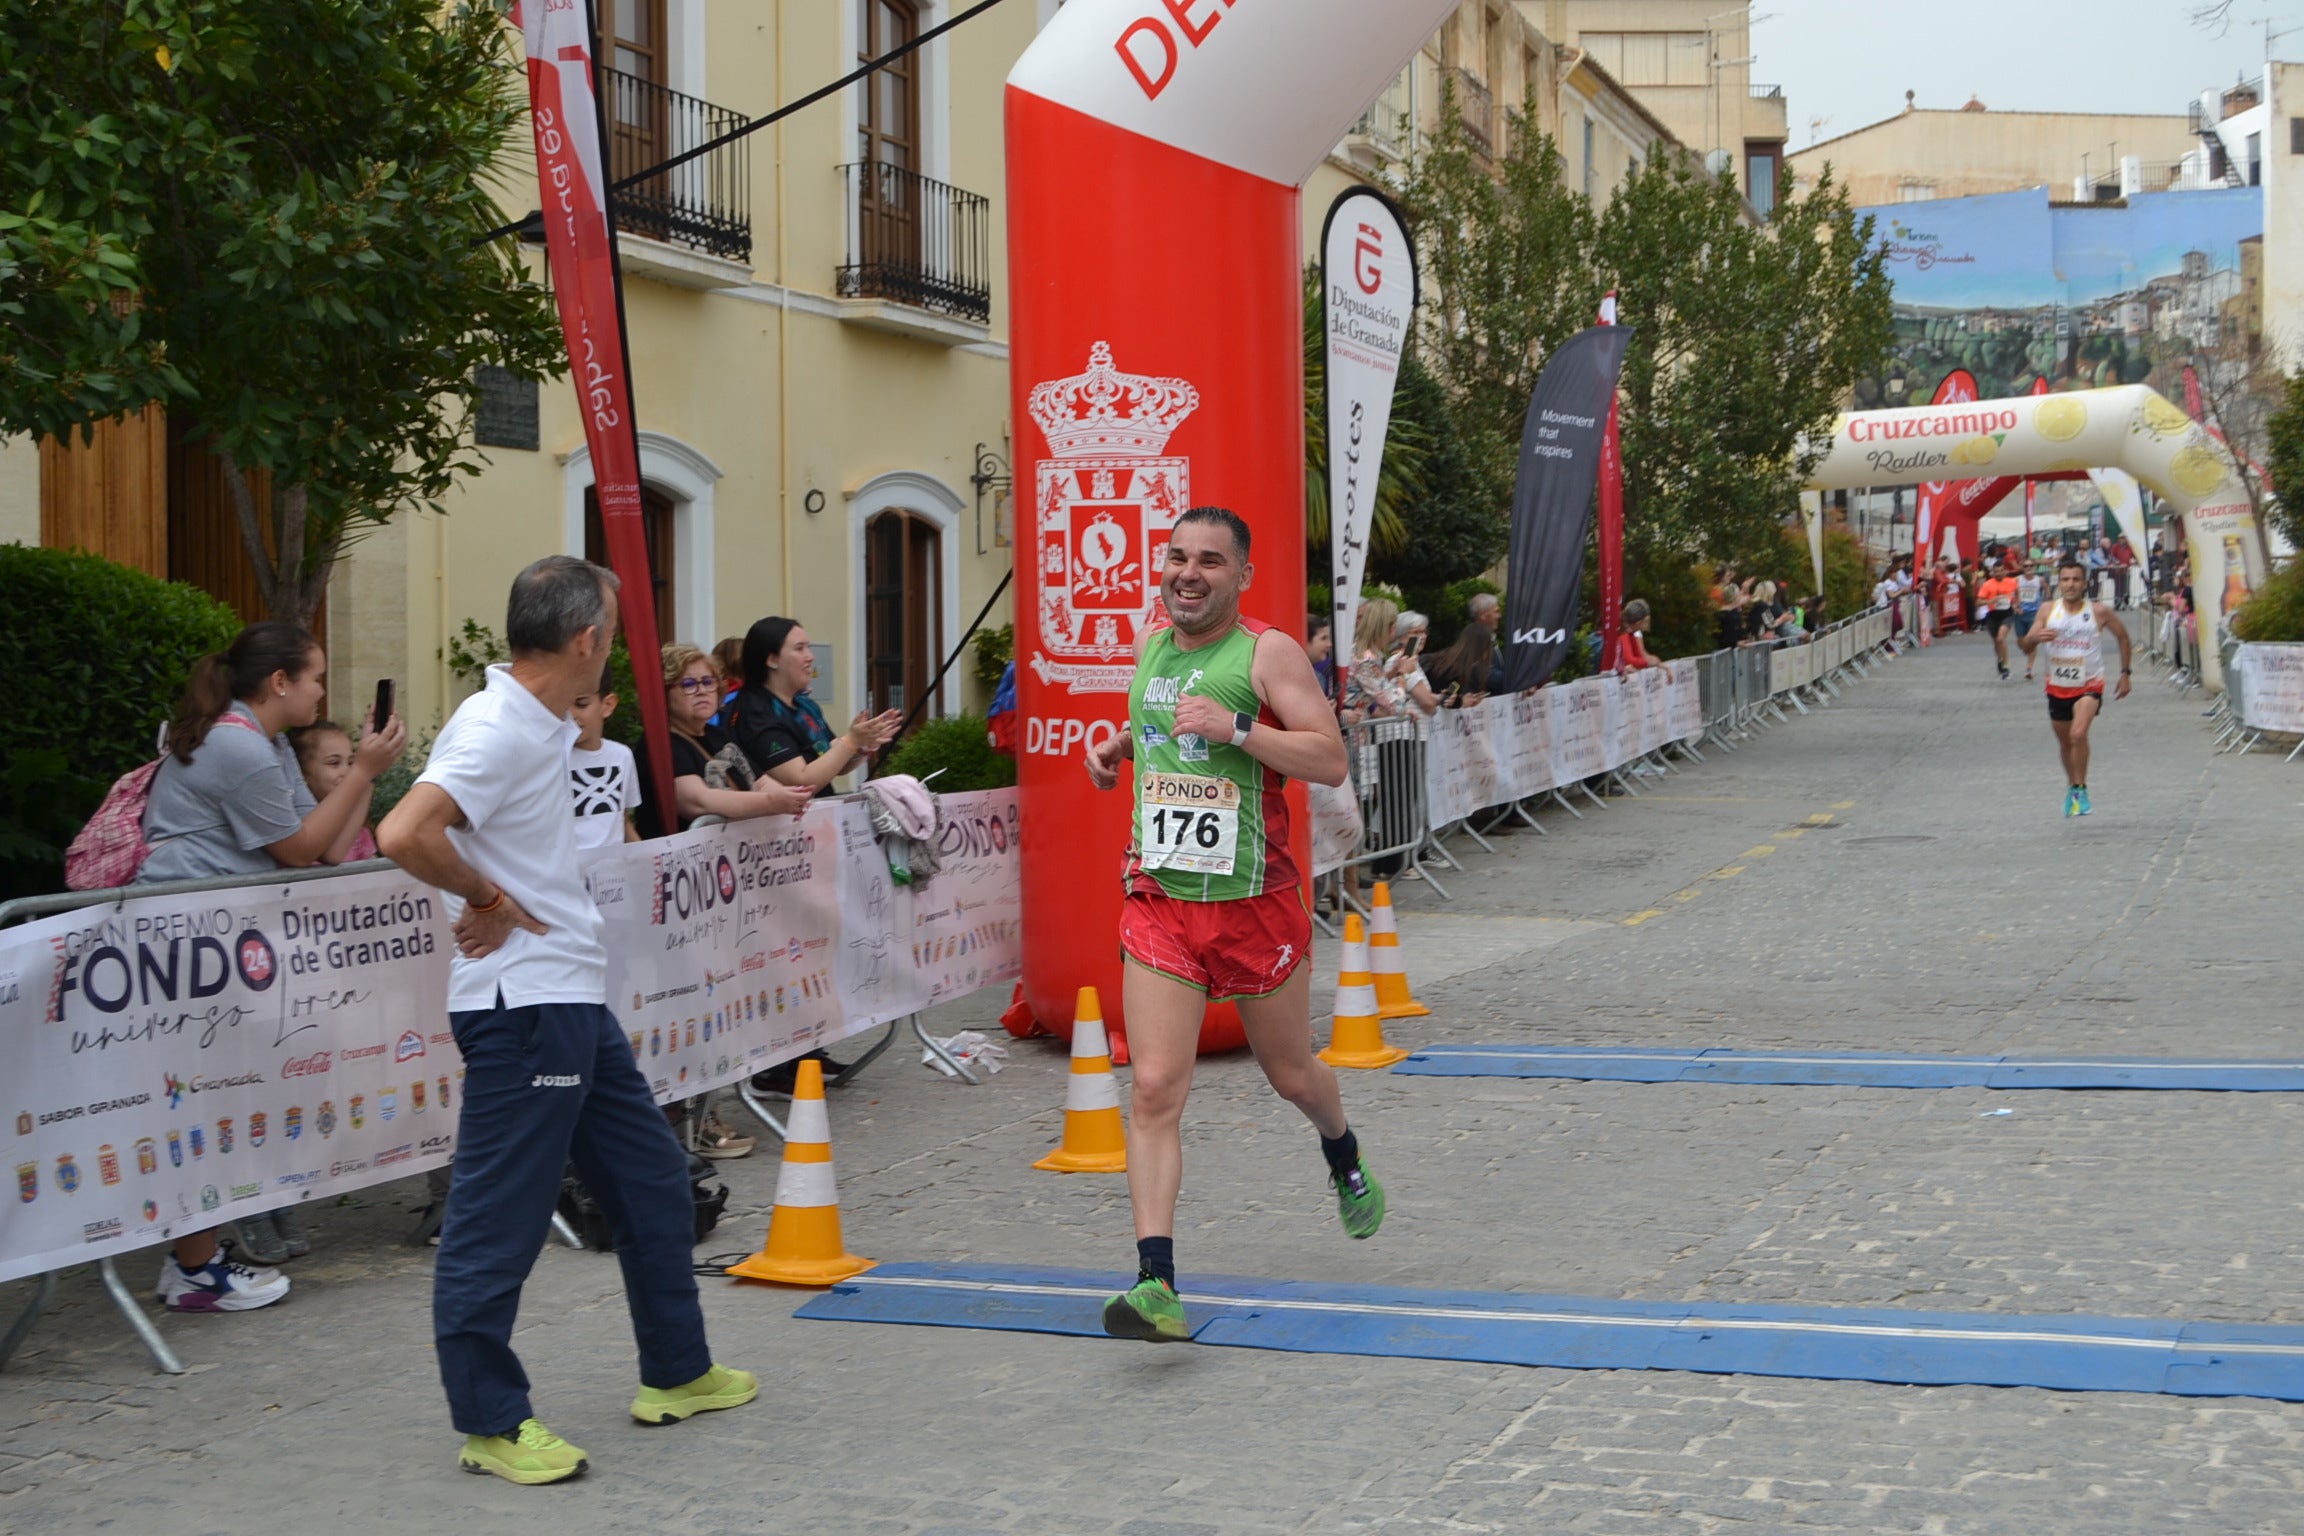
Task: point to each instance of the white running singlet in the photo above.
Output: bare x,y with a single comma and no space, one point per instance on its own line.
2075,651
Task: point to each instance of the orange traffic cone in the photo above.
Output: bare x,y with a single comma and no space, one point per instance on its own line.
1393,999
1094,1140
804,1246
1358,1038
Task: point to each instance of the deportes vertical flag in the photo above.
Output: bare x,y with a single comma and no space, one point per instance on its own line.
571,175
1611,523
1552,501
1368,295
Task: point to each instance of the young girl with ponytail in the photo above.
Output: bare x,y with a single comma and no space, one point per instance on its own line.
229,799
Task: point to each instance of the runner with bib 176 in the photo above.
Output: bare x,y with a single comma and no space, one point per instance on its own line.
1222,712
2072,629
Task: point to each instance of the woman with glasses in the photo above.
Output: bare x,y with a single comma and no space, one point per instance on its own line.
709,777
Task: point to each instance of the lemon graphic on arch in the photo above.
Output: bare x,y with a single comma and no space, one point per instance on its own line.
2162,418
2060,419
2197,470
1977,450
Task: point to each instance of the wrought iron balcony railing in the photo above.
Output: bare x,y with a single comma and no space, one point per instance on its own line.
705,204
1477,105
917,241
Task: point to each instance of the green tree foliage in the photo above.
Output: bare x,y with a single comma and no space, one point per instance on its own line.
261,214
2275,611
1746,337
2284,460
1437,518
98,654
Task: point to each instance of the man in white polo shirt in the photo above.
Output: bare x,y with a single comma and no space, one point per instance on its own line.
548,1073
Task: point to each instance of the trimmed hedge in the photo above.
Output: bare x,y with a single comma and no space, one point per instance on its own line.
98,653
961,745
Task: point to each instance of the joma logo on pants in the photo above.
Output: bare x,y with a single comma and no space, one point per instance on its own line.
557,1080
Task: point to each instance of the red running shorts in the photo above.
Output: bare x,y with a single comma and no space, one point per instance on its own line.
1228,949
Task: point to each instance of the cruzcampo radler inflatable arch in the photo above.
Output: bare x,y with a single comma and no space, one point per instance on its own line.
2131,428
1155,149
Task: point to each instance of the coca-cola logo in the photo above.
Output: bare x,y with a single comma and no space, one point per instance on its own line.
309,1066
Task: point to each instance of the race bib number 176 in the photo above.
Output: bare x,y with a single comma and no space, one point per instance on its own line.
1188,822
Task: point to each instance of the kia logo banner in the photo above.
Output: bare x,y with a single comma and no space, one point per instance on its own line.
1368,296
1552,501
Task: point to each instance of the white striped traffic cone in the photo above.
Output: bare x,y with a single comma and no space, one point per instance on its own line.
1393,999
1358,1038
804,1245
1094,1139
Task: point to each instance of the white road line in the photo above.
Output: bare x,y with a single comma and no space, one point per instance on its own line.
1598,1319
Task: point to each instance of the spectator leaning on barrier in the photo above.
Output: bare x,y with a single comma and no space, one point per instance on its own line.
1632,652
1406,662
1371,689
710,776
778,725
549,1075
1320,650
229,799
1460,673
325,755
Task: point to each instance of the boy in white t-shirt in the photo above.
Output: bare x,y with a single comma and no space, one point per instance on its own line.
602,774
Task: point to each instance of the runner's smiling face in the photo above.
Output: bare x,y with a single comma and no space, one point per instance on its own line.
1203,579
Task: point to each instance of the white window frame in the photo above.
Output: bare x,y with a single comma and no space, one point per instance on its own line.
922,495
687,478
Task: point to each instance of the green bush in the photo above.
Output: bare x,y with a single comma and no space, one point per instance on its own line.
2276,611
961,745
99,653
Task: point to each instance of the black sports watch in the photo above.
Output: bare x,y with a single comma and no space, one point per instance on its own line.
1242,723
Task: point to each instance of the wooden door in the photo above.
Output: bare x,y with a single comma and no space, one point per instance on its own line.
888,137
903,609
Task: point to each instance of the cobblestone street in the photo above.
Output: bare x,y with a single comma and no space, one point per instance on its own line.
1890,873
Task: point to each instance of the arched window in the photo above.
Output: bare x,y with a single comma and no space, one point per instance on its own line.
903,608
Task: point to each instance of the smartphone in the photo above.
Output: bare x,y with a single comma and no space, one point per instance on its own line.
383,715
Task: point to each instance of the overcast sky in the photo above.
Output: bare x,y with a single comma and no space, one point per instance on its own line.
1851,61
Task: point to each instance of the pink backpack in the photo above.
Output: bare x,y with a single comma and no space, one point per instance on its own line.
110,851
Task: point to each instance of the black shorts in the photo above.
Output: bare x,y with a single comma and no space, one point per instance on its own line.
2061,708
1996,620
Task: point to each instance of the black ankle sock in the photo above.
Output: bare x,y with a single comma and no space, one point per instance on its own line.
1343,1153
1156,1256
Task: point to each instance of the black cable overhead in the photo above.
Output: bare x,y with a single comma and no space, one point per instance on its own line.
809,100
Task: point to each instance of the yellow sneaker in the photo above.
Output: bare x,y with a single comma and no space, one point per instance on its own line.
531,1454
718,1387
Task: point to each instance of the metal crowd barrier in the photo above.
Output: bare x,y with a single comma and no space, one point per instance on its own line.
27,908
1385,757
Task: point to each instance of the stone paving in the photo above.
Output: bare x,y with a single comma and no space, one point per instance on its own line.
1890,873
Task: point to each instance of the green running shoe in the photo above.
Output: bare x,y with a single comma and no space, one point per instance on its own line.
1149,1310
2080,799
718,1387
531,1454
1359,1199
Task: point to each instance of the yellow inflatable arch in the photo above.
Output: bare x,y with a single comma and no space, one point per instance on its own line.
2132,428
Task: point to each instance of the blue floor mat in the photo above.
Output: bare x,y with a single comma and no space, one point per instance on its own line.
1862,1069
2065,1353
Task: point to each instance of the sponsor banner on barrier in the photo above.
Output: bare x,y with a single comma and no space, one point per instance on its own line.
2272,686
1337,826
175,1061
1655,709
1579,749
1527,737
1684,706
1460,774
